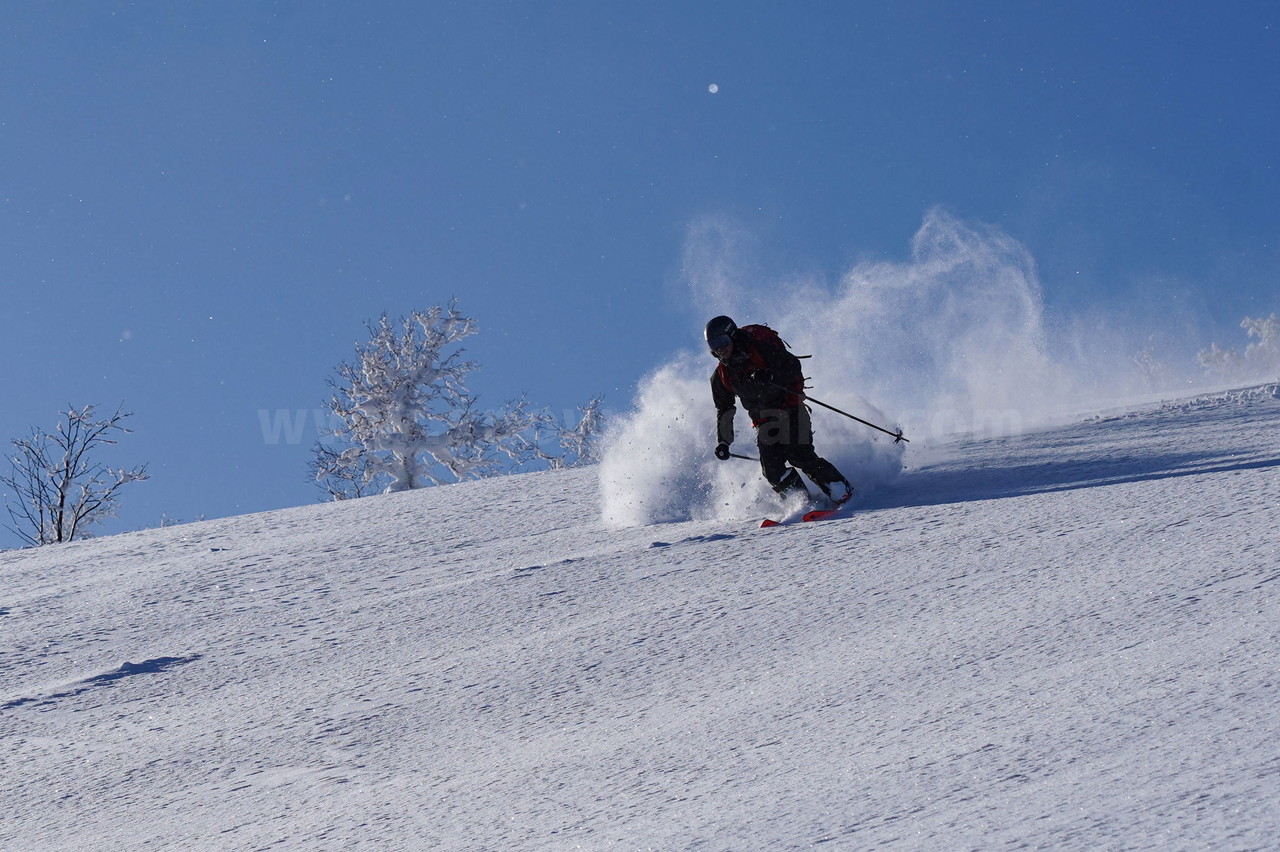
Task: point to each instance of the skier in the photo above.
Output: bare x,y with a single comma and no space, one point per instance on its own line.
756,368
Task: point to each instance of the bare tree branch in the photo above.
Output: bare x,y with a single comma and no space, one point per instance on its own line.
59,491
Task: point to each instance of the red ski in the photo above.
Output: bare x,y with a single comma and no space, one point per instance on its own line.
815,515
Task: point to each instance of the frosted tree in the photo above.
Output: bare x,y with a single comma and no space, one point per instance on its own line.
405,419
1225,363
1156,374
1259,357
579,444
59,491
1265,352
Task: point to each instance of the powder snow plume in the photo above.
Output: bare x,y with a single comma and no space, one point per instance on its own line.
952,340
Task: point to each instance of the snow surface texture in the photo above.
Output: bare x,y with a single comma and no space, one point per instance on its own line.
1066,639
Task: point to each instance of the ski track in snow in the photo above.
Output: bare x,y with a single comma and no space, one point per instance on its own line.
1067,639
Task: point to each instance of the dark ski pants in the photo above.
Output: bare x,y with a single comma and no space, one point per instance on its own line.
785,436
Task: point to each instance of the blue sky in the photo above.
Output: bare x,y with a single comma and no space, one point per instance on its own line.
203,202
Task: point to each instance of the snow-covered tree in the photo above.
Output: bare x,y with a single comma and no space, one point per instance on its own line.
59,491
1156,374
406,419
1258,359
579,444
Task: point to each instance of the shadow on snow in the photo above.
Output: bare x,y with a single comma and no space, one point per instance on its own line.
128,669
953,482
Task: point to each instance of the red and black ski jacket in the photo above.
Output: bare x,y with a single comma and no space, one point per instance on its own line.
755,348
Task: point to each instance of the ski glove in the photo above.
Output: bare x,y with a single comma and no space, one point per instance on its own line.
722,452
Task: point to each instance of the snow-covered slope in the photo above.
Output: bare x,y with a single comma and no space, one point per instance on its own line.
1069,638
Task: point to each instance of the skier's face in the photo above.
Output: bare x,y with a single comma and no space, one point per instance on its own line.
725,351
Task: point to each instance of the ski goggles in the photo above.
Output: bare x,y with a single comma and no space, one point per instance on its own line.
719,344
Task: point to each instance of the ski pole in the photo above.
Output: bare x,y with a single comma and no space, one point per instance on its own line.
739,456
897,436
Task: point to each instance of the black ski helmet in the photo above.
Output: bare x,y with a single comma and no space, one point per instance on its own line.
720,332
